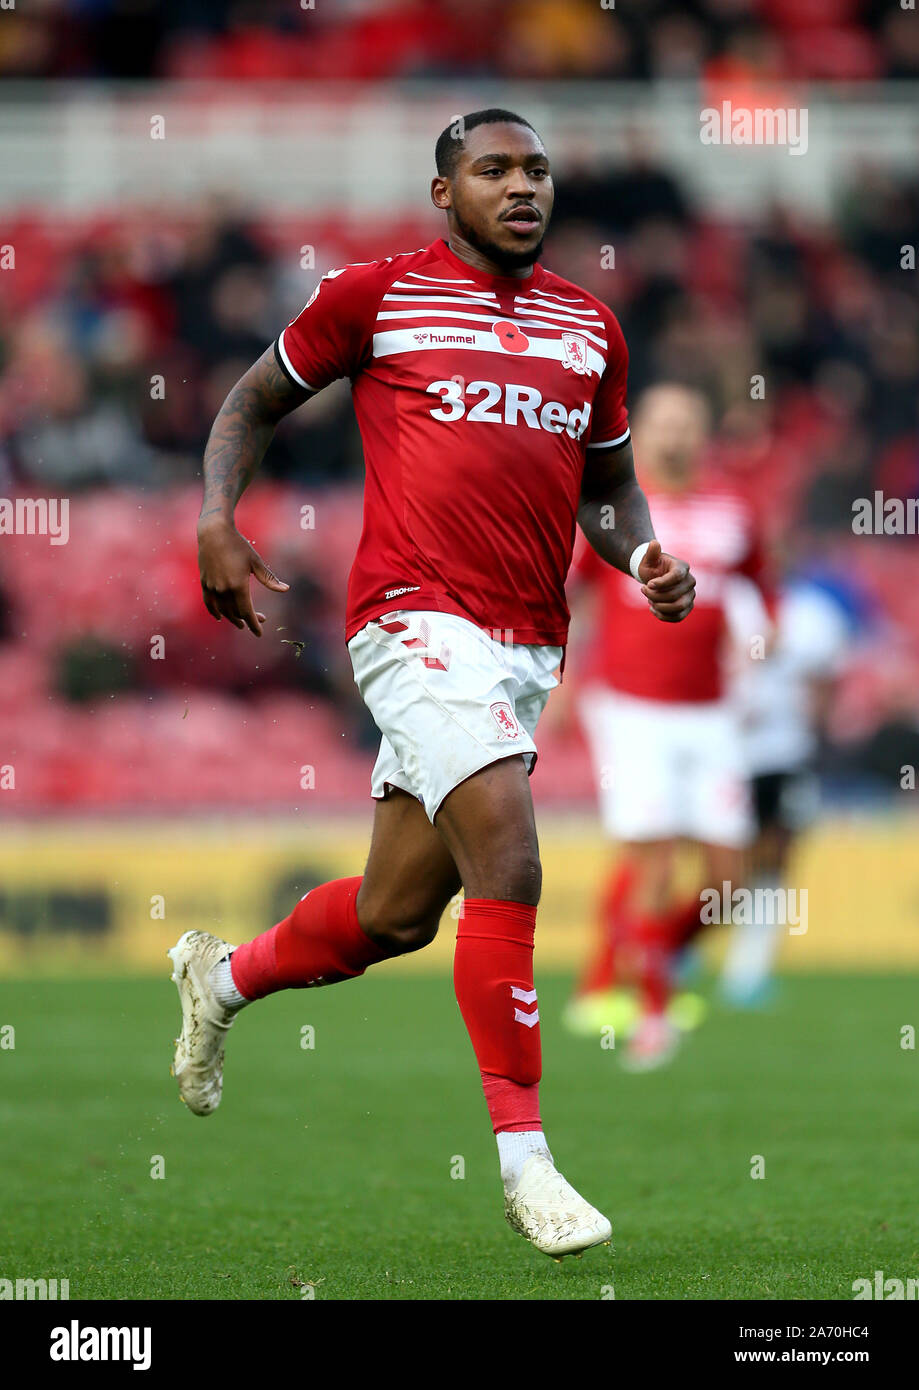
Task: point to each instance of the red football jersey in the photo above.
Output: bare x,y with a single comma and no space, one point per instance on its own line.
476,396
715,532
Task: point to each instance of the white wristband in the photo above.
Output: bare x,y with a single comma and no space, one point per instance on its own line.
638,554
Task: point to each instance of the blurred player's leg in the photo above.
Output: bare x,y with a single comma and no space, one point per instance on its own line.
639,804
601,999
334,933
746,975
653,1040
708,794
599,972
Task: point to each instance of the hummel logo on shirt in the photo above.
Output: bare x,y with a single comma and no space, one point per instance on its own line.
445,338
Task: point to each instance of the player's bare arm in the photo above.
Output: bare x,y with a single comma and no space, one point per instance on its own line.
609,481
240,435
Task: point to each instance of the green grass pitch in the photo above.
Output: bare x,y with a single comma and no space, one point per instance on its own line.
327,1170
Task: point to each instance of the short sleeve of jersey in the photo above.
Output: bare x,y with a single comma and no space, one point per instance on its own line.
610,424
331,336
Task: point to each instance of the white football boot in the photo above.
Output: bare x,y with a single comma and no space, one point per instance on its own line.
198,1063
546,1209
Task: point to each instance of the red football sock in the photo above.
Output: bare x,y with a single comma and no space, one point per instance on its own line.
512,1107
685,923
600,973
320,943
493,978
655,954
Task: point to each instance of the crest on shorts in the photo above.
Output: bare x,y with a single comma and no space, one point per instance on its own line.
505,719
574,346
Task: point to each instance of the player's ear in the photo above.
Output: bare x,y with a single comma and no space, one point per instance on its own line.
440,193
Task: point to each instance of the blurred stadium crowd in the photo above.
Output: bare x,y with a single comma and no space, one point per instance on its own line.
122,331
120,336
841,40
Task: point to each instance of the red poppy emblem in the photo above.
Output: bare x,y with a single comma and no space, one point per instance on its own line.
510,336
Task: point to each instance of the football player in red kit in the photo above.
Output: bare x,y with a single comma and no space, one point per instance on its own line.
666,741
490,395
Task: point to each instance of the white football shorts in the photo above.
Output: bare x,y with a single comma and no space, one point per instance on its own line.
449,698
668,770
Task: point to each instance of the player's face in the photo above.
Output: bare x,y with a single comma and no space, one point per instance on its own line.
500,198
671,433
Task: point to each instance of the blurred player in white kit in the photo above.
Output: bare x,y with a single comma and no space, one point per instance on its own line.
781,701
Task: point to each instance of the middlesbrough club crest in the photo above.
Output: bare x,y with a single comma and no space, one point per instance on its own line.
575,350
505,719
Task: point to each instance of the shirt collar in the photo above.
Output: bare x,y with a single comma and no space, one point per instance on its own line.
520,284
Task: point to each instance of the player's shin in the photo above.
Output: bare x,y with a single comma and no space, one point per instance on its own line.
654,950
320,943
493,978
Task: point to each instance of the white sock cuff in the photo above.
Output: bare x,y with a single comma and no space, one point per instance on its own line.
224,986
515,1147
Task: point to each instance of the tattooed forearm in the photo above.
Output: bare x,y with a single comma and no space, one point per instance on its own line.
242,432
234,451
614,513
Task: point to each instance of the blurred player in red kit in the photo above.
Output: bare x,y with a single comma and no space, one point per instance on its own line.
490,395
665,741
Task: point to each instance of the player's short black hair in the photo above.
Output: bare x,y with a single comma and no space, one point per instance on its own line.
449,143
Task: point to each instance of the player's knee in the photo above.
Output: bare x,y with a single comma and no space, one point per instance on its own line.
403,937
525,881
398,929
509,872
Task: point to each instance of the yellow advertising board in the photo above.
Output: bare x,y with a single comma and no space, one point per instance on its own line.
97,897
